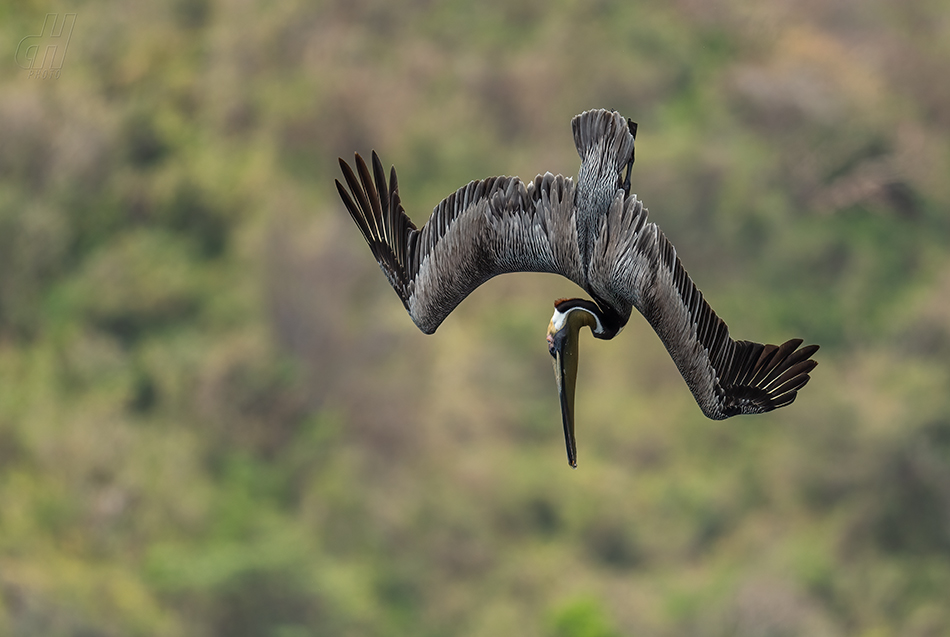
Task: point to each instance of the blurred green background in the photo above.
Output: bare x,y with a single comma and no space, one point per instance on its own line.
217,419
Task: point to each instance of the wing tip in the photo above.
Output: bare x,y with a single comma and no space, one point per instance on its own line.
770,379
375,208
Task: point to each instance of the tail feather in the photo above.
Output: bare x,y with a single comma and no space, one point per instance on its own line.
607,132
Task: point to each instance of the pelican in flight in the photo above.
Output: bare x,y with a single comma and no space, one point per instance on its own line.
596,234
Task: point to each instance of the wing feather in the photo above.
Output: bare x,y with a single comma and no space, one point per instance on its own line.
486,228
727,377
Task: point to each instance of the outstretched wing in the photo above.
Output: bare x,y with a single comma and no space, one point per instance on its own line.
638,266
489,227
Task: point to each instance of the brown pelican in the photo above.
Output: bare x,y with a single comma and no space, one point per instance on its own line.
596,234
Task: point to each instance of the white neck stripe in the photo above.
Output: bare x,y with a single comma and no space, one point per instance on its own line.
561,317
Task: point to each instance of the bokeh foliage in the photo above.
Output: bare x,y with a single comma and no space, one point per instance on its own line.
216,418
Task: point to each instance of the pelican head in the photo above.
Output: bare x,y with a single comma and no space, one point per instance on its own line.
570,315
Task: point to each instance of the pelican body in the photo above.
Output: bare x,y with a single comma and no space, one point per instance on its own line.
596,234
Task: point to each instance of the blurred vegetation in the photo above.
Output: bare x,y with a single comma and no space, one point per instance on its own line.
217,419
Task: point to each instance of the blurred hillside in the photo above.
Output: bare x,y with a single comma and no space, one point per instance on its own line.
217,419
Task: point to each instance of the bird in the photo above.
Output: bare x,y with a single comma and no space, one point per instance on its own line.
594,232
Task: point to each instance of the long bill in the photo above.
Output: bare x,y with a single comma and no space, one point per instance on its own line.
565,371
565,350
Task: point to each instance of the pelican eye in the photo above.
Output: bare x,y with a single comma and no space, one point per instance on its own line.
556,341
